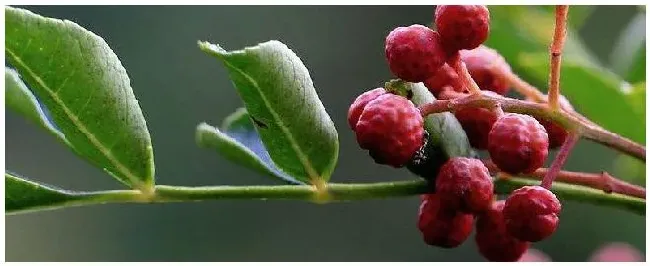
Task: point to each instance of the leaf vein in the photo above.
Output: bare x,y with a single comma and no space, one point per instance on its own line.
75,120
313,175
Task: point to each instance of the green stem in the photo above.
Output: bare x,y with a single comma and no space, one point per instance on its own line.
334,193
85,198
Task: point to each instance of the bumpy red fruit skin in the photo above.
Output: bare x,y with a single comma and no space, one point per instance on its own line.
414,53
360,103
442,227
493,240
531,213
556,134
477,123
445,76
465,184
485,65
518,143
462,27
391,128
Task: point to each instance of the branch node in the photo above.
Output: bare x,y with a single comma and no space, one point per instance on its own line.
556,47
321,192
608,185
503,176
570,121
465,77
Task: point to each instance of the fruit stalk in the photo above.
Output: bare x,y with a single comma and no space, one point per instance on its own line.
602,181
567,121
560,159
463,74
557,45
532,93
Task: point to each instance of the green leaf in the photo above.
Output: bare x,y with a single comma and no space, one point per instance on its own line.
19,99
577,14
628,55
636,72
594,92
636,98
515,30
239,142
22,194
630,168
280,97
444,129
506,31
79,79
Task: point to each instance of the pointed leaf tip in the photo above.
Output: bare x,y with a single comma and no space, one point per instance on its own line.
75,75
280,97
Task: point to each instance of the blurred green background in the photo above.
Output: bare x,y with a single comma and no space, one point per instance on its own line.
178,86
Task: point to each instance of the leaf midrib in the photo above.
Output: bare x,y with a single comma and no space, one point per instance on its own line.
313,175
80,126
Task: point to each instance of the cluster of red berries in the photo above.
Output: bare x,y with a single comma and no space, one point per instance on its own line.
391,128
504,228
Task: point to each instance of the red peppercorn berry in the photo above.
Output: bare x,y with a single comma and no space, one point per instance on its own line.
440,226
462,26
493,240
486,66
360,103
531,213
465,184
391,129
518,143
414,53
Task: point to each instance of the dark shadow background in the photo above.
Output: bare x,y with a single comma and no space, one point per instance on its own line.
178,86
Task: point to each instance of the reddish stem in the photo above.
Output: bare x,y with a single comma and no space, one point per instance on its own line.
567,121
560,159
531,93
524,88
615,141
449,93
540,110
603,181
557,45
465,78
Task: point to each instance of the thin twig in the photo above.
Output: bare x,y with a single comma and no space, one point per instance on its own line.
532,93
557,45
602,181
560,159
542,111
463,74
449,93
